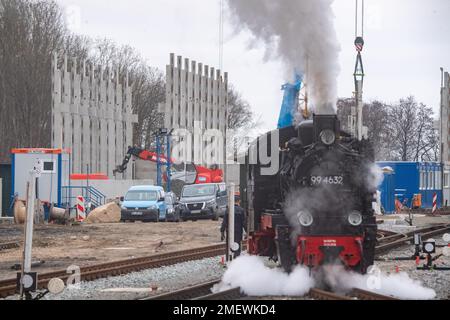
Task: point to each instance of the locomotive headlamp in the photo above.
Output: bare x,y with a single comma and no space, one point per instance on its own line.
328,137
355,218
305,218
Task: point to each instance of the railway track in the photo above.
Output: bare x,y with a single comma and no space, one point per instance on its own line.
386,241
392,241
382,234
354,294
202,291
368,295
319,294
89,273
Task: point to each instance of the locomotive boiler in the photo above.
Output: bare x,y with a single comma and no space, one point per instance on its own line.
315,207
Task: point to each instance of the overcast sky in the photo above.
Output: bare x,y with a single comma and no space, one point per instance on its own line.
407,41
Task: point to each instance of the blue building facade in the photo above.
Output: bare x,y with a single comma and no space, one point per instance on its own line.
403,180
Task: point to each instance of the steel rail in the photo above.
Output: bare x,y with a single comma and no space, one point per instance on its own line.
103,270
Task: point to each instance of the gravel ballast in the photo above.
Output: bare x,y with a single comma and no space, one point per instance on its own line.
139,284
434,279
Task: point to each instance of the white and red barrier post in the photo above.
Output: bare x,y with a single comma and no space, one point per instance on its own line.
433,211
81,209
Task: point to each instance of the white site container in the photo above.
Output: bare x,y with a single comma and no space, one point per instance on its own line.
54,176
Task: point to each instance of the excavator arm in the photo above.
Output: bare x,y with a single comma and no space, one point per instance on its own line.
199,174
138,153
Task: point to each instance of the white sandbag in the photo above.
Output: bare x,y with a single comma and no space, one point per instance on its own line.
20,212
107,213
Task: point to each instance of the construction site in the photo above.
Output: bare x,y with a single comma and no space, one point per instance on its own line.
124,181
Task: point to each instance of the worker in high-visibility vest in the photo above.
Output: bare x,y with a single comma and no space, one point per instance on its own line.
398,206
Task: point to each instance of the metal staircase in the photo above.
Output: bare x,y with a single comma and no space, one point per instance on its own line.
89,193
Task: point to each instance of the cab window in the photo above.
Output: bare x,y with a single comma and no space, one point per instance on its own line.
222,190
138,195
199,190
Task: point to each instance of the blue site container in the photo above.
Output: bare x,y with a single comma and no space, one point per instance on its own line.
407,179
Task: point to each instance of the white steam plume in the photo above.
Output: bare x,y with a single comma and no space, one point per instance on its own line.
398,285
255,279
374,177
302,35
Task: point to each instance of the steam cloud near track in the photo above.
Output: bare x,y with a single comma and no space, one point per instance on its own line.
398,285
302,35
256,279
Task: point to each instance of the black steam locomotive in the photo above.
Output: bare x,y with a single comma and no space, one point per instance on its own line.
311,203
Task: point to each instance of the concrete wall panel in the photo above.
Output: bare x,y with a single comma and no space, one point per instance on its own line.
91,115
196,100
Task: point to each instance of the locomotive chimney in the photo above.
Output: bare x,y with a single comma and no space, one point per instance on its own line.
326,129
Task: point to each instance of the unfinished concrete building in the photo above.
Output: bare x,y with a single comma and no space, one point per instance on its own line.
196,106
92,116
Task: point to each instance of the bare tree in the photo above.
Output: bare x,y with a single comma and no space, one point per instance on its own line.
148,86
239,111
375,115
76,46
403,132
403,128
413,135
29,32
426,144
148,93
241,121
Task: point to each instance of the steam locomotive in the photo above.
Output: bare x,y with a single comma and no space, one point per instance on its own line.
311,204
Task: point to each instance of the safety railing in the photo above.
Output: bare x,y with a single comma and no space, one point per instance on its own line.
89,193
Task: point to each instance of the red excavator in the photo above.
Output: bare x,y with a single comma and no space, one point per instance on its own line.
189,173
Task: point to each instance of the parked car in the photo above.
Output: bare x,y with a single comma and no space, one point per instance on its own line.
173,207
203,201
144,203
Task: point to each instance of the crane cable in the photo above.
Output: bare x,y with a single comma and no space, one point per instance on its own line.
357,18
221,19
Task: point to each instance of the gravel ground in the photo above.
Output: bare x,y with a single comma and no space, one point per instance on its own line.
138,284
82,245
437,280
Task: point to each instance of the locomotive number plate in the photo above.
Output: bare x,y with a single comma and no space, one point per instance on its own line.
334,180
